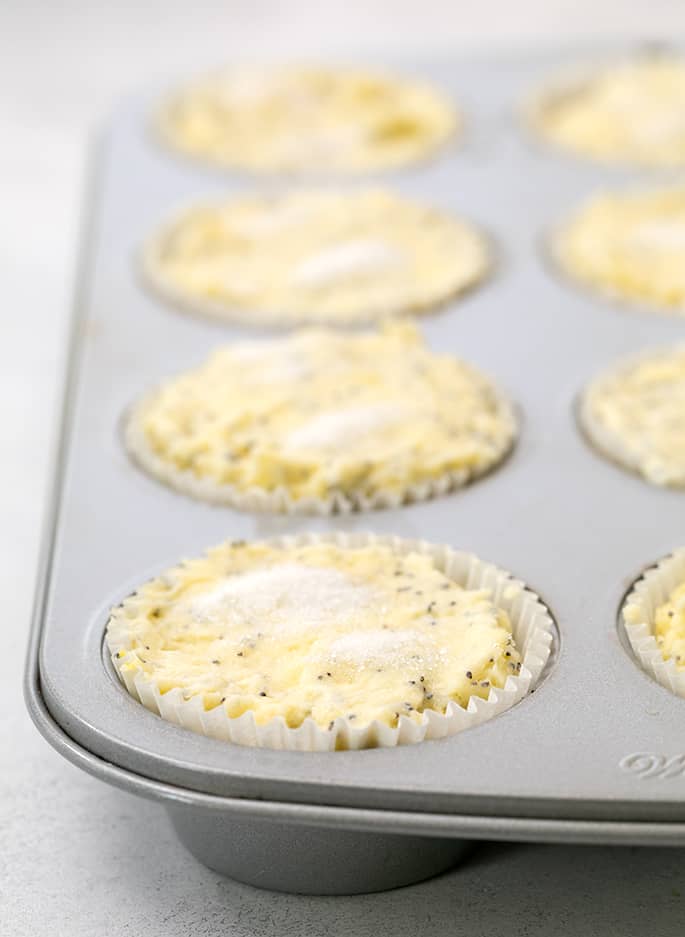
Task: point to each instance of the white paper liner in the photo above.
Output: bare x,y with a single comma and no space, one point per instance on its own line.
606,442
637,614
532,628
154,278
280,501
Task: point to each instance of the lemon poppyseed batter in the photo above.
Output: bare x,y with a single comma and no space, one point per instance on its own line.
630,245
323,416
632,112
636,415
299,119
317,256
316,631
669,627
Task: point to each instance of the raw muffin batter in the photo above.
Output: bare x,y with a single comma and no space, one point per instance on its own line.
316,631
314,255
632,112
323,416
669,627
630,245
298,119
636,415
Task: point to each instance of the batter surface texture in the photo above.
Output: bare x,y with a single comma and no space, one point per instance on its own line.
317,631
669,627
299,119
633,112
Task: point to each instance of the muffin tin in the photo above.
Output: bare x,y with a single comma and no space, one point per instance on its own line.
595,754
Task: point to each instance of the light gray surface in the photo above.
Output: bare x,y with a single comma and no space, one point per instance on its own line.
95,861
80,859
555,513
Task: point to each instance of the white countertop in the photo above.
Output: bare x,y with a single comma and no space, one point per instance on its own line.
76,857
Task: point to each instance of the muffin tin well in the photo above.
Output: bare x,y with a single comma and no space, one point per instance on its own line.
637,625
530,627
560,764
551,250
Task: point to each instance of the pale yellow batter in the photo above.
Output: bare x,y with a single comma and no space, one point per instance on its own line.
632,112
630,245
669,627
307,119
314,255
352,419
316,631
636,415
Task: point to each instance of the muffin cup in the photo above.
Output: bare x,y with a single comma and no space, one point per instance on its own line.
163,131
555,254
532,628
604,442
637,615
607,443
280,501
555,89
154,278
567,84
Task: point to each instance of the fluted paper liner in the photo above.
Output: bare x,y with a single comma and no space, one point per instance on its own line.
531,625
637,613
280,501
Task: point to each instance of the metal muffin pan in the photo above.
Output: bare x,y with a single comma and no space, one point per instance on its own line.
577,760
